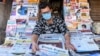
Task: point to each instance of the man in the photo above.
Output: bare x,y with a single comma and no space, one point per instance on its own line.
49,24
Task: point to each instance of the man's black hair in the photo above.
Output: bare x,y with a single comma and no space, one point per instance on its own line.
43,5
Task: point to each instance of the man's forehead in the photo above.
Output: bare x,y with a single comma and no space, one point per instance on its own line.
46,9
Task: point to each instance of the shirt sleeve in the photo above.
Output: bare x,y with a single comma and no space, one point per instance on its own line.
62,26
37,30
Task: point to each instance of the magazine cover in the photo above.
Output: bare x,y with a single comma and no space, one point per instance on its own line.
72,26
33,10
85,17
28,1
52,39
85,27
30,26
21,1
11,28
21,10
71,18
85,11
21,23
66,10
13,10
48,50
66,1
84,5
33,1
73,1
82,0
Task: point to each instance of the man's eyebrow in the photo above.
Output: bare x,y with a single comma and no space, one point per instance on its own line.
46,12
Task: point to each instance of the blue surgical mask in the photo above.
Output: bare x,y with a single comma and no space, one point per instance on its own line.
47,16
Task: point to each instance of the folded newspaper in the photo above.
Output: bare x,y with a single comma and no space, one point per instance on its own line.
49,50
21,46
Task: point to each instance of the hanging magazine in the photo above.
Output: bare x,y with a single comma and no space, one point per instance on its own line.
11,28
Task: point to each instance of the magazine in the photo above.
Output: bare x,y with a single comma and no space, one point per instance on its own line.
11,28
13,10
71,18
48,50
73,1
21,24
84,27
21,10
85,17
33,1
30,26
72,26
33,10
84,5
82,0
52,39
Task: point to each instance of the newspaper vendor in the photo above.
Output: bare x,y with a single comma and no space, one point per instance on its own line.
49,24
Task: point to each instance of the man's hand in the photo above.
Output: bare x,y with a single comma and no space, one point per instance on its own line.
35,47
69,46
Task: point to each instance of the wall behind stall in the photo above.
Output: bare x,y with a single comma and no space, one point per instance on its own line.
1,14
5,9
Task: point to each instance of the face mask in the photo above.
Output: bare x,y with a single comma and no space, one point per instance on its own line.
47,16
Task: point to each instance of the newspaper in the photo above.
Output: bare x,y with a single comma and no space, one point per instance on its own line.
52,39
84,43
49,50
21,46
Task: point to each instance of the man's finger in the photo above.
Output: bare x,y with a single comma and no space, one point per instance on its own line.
34,49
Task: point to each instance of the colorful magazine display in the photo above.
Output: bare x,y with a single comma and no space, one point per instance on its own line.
75,13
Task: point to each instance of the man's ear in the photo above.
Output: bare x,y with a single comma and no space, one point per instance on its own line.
39,14
51,10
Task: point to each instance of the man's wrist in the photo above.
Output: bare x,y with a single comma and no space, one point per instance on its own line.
33,43
67,42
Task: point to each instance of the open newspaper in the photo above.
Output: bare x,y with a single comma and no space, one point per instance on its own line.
52,39
84,44
49,50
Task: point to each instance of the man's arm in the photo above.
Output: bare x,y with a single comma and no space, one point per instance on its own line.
34,43
36,32
67,38
65,31
34,38
68,44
